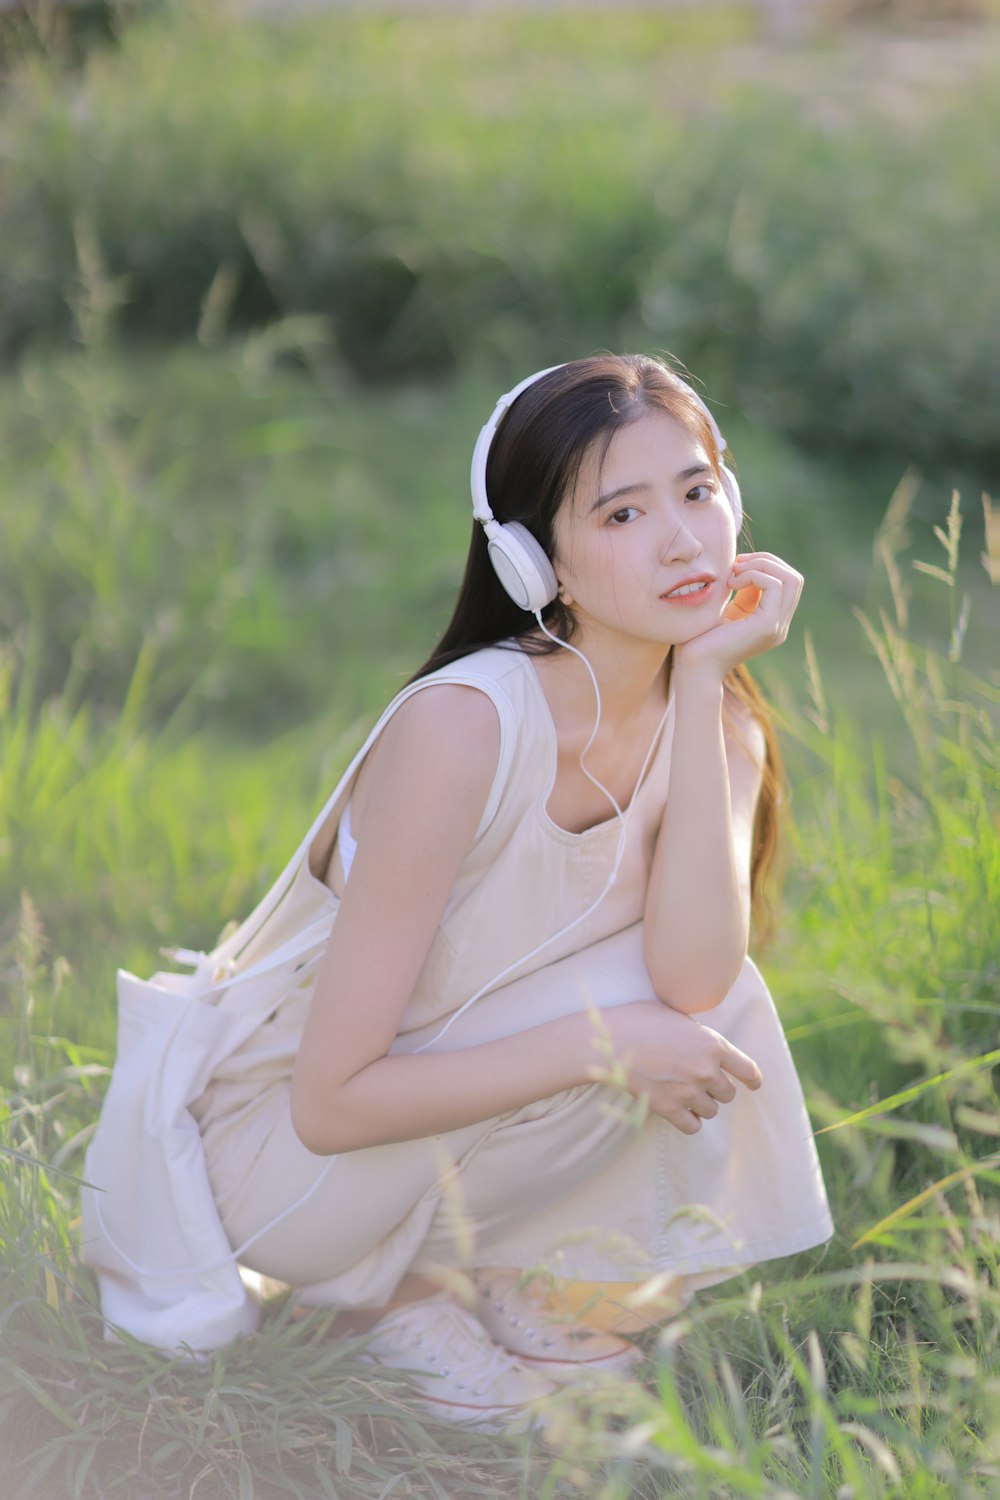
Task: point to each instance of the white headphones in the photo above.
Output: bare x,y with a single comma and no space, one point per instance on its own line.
518,558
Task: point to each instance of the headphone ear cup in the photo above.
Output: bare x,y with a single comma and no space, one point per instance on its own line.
521,564
732,487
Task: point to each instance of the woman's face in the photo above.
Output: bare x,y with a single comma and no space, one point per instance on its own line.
652,519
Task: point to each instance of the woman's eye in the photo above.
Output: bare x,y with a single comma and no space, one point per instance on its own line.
622,516
701,492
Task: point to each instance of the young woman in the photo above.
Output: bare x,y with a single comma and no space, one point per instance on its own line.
532,1041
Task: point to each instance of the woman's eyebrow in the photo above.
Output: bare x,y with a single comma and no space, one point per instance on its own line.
633,489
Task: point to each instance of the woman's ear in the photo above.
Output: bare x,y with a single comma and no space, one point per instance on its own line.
566,598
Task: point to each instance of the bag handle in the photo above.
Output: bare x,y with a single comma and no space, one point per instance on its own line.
218,978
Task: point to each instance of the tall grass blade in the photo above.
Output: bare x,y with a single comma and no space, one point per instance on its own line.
984,1167
904,1096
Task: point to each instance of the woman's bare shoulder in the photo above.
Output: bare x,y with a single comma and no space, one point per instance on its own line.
442,743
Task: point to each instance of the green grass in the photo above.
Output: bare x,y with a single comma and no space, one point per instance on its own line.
138,807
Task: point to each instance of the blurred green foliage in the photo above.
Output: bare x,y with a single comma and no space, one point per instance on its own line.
251,546
521,185
219,540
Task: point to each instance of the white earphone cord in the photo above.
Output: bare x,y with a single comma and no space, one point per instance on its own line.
224,1260
622,816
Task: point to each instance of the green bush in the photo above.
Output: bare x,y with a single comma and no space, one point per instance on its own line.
435,184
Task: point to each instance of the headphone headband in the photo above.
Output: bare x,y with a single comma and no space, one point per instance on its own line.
480,503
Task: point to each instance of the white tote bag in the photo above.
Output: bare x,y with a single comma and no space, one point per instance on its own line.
151,1231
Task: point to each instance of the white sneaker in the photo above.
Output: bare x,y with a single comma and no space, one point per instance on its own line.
521,1319
459,1372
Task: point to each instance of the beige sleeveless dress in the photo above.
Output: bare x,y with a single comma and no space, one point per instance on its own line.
577,1183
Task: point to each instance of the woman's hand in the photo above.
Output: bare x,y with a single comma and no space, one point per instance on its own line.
755,620
684,1069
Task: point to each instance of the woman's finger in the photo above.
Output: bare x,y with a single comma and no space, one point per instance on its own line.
755,596
767,561
684,1117
781,572
748,564
770,598
766,578
739,1065
743,603
722,1088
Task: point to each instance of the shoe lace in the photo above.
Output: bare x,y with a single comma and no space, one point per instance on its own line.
463,1342
517,1301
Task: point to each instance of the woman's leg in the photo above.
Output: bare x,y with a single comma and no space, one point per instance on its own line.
505,1193
360,1221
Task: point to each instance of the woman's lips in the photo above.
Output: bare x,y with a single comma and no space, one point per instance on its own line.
694,596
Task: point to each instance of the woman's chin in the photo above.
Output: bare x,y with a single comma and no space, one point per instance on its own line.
702,623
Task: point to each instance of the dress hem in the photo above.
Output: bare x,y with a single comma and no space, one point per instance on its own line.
735,1258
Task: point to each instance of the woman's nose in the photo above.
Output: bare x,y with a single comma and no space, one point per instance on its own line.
680,544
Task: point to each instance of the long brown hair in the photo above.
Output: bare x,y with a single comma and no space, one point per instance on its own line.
533,464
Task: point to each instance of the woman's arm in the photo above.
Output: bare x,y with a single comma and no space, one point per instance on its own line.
426,786
682,1069
417,805
697,918
697,915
